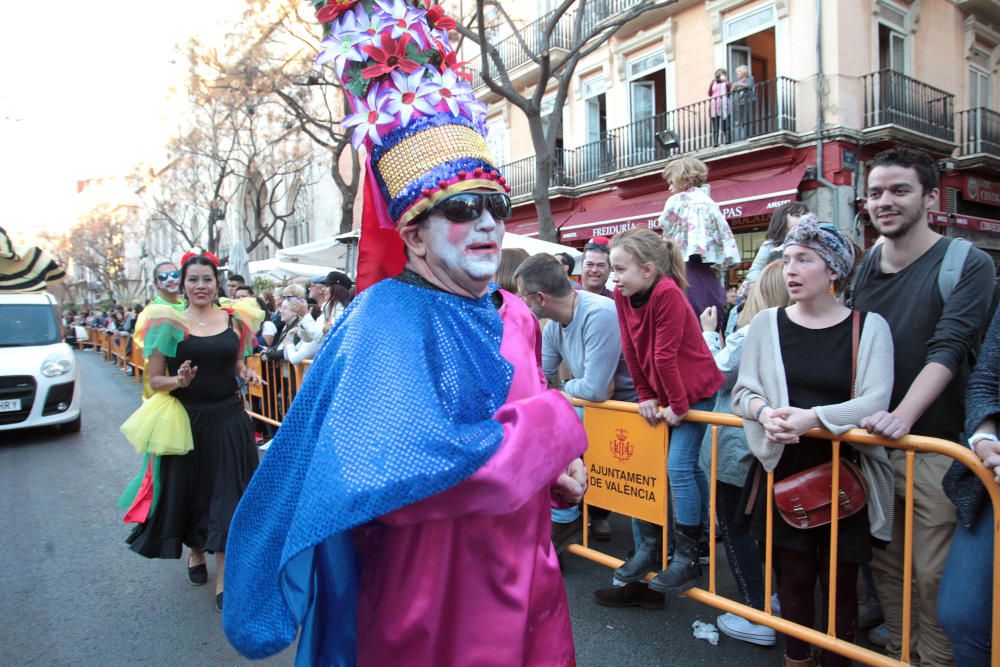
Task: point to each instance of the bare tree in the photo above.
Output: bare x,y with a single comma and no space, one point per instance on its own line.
556,44
97,244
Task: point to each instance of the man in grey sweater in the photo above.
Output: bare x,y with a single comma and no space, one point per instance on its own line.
582,331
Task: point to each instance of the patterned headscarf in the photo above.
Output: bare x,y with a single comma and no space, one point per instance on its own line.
828,242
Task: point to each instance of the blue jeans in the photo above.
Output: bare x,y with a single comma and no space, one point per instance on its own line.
964,598
688,484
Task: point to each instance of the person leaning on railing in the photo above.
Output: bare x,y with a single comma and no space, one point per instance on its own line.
795,375
964,599
733,458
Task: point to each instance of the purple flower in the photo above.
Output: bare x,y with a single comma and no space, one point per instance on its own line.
409,93
370,25
341,45
404,18
368,116
447,88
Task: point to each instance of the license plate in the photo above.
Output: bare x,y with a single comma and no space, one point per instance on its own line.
10,405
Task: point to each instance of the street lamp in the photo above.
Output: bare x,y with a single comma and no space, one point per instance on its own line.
215,213
667,139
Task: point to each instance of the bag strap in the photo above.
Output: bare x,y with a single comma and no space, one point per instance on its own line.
951,266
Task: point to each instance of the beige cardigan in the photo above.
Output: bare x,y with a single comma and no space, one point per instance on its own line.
762,375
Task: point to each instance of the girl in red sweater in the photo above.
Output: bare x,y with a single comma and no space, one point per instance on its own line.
674,372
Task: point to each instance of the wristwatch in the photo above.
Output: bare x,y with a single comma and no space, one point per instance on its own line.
981,436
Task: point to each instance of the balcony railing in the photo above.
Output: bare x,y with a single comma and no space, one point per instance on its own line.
520,174
979,132
599,10
768,107
892,98
513,54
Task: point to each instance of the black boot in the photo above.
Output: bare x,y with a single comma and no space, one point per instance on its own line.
636,594
684,571
646,556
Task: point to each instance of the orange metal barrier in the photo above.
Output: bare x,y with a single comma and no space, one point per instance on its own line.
618,437
269,402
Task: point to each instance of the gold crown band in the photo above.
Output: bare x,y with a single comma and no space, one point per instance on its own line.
414,156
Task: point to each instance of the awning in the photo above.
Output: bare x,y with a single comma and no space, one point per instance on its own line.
534,246
757,193
969,222
609,221
326,252
283,270
529,226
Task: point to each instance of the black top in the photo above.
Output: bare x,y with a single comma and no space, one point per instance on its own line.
817,372
925,329
215,356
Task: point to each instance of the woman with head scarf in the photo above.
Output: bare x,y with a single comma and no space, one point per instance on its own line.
796,374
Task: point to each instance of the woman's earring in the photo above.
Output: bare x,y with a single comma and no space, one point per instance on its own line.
833,288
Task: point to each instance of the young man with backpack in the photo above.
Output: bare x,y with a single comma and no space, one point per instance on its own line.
935,293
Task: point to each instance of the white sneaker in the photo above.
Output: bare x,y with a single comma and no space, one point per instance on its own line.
740,628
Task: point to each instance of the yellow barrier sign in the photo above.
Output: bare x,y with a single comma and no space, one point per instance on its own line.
626,464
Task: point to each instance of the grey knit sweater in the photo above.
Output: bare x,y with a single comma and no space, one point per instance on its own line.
762,375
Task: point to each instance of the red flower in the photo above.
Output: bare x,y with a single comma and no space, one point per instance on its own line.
437,19
392,55
450,61
332,9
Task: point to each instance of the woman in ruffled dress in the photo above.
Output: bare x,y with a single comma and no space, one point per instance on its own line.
197,355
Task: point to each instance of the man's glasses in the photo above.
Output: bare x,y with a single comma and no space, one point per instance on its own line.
166,276
596,246
468,206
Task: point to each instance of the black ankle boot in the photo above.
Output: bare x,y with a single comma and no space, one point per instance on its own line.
684,571
646,556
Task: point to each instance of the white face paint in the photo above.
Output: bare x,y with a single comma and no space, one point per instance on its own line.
170,285
467,252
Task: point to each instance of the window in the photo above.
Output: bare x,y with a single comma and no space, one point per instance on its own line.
979,87
497,140
749,23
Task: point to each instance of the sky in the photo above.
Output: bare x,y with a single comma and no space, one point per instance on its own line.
84,89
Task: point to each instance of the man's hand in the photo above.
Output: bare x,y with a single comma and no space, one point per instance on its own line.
989,452
671,417
709,319
886,425
572,484
648,411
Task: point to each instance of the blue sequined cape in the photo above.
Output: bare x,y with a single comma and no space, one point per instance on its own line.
397,406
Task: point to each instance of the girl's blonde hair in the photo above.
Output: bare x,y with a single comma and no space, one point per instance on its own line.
686,172
647,247
293,290
768,291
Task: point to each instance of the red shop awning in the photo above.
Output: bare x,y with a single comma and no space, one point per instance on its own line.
529,226
609,221
758,193
969,222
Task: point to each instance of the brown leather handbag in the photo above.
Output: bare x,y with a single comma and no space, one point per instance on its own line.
804,499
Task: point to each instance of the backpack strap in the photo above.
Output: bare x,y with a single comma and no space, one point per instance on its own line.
951,266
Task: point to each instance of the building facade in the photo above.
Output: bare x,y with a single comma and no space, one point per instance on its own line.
834,83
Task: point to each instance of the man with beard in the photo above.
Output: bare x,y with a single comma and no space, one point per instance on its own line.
167,279
935,343
596,267
402,512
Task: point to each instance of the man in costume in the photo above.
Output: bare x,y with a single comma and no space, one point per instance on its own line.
167,278
402,513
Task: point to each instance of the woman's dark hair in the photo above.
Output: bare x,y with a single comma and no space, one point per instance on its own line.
778,228
198,260
340,294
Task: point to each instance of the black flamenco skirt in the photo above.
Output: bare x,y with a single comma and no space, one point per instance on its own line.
199,491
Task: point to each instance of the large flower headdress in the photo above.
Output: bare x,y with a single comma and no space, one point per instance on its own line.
413,109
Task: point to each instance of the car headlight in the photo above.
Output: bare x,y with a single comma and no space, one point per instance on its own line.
56,364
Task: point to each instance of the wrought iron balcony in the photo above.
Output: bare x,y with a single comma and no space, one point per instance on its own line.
518,49
979,132
892,98
520,174
599,10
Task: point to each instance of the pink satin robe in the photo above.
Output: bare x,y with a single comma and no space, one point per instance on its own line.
469,576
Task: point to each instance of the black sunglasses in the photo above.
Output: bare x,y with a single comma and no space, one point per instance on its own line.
163,276
468,206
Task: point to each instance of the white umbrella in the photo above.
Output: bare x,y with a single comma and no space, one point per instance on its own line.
239,261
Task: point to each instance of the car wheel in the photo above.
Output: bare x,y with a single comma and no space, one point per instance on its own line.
73,426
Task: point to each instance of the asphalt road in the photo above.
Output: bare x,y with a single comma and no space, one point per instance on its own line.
71,593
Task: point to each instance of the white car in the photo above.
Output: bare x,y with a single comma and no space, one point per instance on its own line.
39,376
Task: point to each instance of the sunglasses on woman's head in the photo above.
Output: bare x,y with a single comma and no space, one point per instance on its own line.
468,206
165,276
